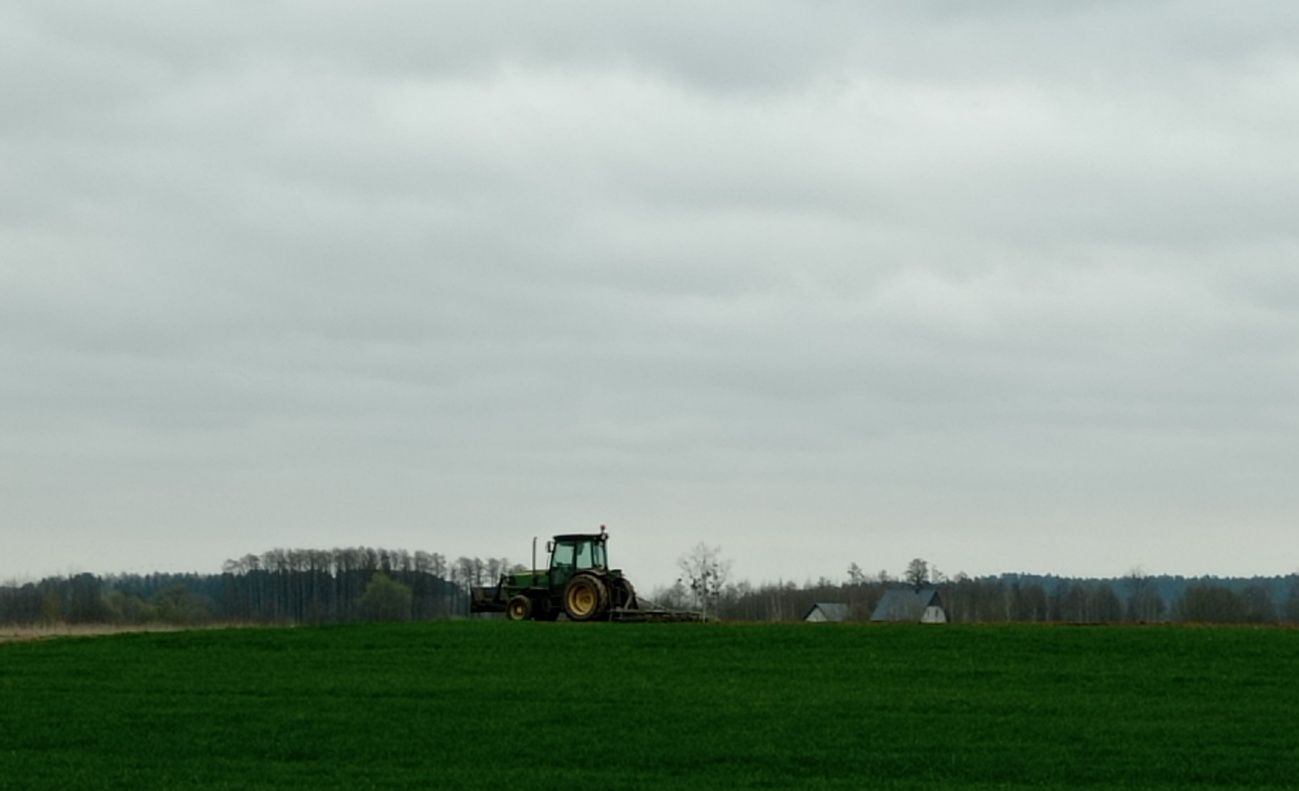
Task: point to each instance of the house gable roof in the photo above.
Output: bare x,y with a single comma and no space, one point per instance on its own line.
905,604
832,611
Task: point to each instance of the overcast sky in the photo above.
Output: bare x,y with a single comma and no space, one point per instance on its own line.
1007,286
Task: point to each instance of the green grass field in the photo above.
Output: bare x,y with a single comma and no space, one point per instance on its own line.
493,704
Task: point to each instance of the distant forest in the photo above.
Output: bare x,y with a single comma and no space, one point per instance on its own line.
290,586
1029,598
283,586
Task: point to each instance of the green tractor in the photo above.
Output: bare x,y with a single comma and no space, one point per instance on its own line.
577,584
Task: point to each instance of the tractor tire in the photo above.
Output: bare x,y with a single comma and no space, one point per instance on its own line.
624,594
586,597
519,608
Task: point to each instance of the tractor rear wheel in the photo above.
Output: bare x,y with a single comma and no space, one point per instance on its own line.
519,608
585,597
624,595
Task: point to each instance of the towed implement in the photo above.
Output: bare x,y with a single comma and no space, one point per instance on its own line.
577,584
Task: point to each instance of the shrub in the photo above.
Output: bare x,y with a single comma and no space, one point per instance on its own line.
386,599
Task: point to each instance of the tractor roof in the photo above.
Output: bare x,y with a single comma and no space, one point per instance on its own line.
582,537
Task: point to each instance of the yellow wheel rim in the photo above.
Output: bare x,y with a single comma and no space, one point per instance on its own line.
581,599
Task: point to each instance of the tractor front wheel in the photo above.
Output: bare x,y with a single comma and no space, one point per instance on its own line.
585,597
519,608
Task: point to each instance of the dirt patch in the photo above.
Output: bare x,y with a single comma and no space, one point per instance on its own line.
10,634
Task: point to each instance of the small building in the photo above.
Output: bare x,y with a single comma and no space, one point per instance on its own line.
826,612
910,605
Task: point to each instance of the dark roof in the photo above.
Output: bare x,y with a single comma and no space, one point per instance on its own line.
581,537
905,604
832,611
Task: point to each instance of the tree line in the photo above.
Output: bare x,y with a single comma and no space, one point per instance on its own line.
287,586
291,586
1028,598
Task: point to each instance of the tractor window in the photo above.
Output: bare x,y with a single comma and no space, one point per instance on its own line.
563,555
590,555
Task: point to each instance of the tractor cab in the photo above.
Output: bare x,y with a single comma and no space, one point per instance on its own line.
574,552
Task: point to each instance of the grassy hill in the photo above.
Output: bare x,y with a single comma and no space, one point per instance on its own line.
493,704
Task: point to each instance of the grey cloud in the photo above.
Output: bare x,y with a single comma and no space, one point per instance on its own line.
318,274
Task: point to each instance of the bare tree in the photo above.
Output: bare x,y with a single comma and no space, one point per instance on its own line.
1145,605
917,573
675,597
1103,605
1256,601
1291,606
704,574
1206,602
464,570
855,575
